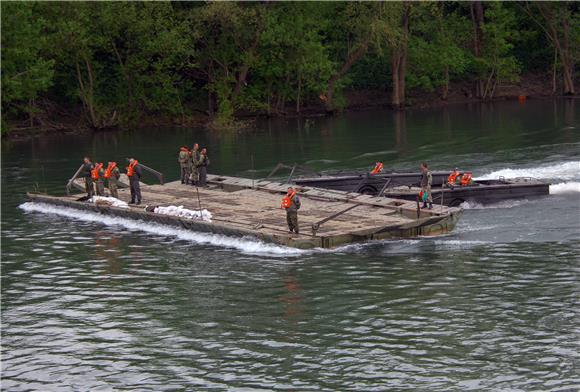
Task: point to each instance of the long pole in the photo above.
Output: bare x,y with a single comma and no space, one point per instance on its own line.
418,208
199,202
253,171
69,183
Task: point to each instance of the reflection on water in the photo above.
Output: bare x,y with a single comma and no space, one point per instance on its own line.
93,303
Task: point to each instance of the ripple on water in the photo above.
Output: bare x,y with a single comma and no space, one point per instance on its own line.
139,311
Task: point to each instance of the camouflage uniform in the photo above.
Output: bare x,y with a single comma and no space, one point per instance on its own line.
101,183
195,159
115,174
86,173
292,214
183,160
202,169
426,181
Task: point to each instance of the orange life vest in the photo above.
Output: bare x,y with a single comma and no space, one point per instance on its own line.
466,179
131,168
95,171
110,168
452,179
378,168
287,200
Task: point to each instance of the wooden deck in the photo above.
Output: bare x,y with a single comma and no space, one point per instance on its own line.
243,207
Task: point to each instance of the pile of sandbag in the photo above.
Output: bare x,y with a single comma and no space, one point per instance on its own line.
108,201
184,212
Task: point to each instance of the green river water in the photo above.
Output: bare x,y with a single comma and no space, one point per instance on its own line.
98,304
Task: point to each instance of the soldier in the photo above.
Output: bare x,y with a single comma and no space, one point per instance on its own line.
134,174
112,174
426,181
183,159
291,202
202,167
195,157
86,173
98,178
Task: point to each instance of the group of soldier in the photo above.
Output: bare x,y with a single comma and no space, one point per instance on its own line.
95,175
193,164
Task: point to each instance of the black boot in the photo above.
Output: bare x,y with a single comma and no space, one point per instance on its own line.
430,206
424,205
138,202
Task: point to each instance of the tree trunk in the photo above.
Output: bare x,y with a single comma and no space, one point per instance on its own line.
477,17
86,92
399,62
352,58
298,93
551,22
554,71
125,74
445,89
90,95
564,55
243,73
210,101
30,112
567,62
395,64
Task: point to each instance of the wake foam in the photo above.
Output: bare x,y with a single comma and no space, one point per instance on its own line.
565,187
563,171
245,245
471,205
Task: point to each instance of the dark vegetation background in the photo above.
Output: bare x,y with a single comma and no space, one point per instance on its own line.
98,65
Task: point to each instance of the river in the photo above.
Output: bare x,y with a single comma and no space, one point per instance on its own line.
108,304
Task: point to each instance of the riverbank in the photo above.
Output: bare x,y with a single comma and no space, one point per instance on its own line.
530,86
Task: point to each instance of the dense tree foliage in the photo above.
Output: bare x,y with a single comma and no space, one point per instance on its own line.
115,62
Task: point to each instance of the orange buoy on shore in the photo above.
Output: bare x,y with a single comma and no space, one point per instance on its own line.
522,98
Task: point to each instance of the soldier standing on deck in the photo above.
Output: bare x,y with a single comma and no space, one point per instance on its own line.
112,175
134,174
86,173
202,167
195,157
291,202
98,179
184,159
426,181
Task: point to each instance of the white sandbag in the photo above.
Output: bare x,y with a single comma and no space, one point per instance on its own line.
109,201
183,212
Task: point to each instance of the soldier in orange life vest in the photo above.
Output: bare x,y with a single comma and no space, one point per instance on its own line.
454,177
97,174
378,168
134,174
112,175
291,202
86,174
